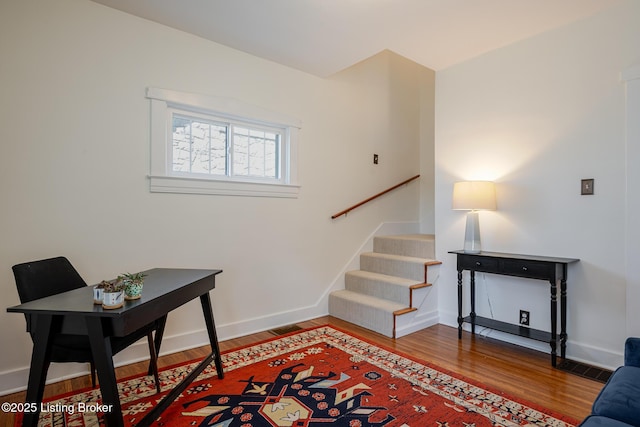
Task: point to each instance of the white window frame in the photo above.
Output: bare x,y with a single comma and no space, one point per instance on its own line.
162,179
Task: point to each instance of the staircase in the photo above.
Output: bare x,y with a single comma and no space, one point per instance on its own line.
389,292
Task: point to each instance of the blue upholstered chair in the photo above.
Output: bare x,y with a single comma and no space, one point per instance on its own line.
618,404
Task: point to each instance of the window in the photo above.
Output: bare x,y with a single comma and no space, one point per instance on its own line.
222,148
209,145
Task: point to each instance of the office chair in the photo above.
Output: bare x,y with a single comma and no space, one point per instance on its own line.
40,279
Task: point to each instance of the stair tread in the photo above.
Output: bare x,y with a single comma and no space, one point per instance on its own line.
400,257
384,277
364,299
429,237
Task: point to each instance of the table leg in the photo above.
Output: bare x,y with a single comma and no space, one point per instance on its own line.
160,332
40,356
563,316
473,302
161,322
153,361
554,321
460,318
205,300
213,356
103,358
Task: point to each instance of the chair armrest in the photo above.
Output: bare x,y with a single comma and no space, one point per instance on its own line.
632,352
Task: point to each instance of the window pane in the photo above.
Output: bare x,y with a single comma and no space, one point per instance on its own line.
271,155
218,150
256,153
199,146
241,152
181,144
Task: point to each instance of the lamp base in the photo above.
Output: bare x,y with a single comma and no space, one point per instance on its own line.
472,243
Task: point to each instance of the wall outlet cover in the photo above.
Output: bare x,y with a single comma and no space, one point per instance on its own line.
524,318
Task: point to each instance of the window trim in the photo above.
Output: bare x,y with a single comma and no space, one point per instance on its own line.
163,180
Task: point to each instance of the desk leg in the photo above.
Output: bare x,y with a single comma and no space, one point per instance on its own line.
554,321
40,356
179,388
205,300
103,358
160,332
161,322
473,301
460,318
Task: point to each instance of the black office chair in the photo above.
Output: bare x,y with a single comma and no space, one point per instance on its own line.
39,279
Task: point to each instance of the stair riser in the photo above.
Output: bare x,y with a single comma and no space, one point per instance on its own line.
377,288
420,248
412,322
406,269
362,315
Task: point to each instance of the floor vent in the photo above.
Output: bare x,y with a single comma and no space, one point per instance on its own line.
584,370
285,330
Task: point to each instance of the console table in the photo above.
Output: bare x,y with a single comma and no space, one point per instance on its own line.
551,269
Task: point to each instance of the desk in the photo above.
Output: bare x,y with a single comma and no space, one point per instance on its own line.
74,312
552,269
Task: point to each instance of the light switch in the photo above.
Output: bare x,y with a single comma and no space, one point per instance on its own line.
586,187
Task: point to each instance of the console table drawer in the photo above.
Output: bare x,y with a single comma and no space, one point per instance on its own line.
477,263
530,269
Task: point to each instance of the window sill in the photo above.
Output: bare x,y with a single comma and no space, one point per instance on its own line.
184,185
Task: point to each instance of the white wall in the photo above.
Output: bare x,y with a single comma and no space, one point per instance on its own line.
537,117
75,157
631,78
427,159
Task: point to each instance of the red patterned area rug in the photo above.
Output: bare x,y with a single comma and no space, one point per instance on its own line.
314,378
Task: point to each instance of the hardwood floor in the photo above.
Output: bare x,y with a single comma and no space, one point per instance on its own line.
515,370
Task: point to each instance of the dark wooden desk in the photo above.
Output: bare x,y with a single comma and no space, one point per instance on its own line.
551,269
74,312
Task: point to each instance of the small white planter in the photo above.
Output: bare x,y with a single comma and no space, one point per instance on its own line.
98,295
112,300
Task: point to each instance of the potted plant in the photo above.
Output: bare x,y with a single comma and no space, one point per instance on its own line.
133,285
113,294
98,292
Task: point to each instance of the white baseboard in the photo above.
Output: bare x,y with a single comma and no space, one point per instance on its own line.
421,321
16,380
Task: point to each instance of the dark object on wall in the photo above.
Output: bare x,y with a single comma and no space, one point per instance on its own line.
586,187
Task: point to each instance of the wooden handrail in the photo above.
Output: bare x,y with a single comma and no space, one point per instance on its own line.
346,211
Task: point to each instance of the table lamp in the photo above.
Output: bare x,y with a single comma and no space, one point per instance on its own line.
473,196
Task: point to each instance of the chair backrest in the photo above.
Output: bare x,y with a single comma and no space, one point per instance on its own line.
39,279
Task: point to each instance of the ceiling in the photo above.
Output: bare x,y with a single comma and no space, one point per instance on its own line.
322,37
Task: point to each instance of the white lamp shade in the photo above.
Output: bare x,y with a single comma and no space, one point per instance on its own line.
474,195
